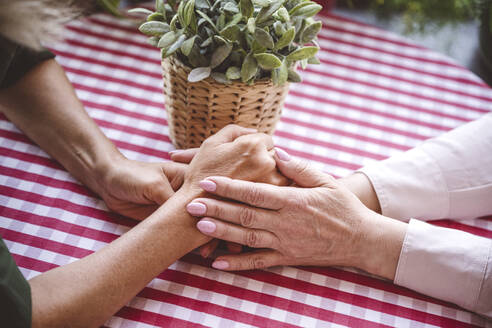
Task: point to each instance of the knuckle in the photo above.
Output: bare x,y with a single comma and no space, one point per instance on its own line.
254,196
246,217
257,262
252,239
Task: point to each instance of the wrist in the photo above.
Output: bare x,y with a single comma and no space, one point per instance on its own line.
360,185
101,168
380,244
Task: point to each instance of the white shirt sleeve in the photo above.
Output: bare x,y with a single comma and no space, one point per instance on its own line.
446,177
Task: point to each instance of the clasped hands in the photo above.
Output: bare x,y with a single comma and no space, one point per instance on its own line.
247,192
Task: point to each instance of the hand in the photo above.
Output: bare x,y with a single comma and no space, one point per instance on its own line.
234,152
256,163
321,223
136,189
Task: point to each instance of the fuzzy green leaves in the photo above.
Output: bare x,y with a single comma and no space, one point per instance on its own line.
264,38
236,40
199,73
249,68
302,53
154,28
267,61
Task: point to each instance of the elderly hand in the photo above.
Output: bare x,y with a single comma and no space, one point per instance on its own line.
233,152
318,223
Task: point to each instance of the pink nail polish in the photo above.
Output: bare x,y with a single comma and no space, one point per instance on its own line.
208,185
174,152
282,154
206,226
196,208
220,265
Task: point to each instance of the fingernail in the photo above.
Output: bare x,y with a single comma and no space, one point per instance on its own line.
282,154
174,152
196,208
206,226
208,185
220,265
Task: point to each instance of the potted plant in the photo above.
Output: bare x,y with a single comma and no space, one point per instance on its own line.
229,61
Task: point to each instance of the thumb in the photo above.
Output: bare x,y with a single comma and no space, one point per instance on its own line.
183,155
161,193
303,174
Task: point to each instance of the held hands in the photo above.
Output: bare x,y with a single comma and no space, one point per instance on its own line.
322,223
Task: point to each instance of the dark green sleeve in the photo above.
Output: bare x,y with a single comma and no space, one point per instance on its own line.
17,60
15,293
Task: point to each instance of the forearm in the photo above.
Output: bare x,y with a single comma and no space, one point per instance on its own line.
45,107
87,292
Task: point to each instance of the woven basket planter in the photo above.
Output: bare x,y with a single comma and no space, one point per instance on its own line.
197,110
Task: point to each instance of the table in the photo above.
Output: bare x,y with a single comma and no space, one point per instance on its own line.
374,95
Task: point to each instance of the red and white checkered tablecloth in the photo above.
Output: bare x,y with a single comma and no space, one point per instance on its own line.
374,95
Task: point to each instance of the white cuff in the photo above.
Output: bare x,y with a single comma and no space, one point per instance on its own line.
409,185
447,264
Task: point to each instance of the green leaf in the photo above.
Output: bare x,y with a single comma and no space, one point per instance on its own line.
167,39
310,32
140,11
286,39
156,17
235,19
233,73
231,7
283,14
231,33
293,76
173,22
304,63
189,12
314,61
302,53
202,4
247,8
267,61
279,28
299,6
175,46
221,21
251,25
220,77
266,12
181,14
249,68
154,28
262,3
257,48
220,54
199,73
159,6
264,38
208,20
188,45
110,6
153,41
307,11
280,75
208,41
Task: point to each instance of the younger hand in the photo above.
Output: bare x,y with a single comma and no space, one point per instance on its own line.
136,189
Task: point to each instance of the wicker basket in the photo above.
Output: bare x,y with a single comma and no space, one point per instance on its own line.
198,110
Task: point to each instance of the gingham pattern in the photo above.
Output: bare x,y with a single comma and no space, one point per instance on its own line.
374,95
